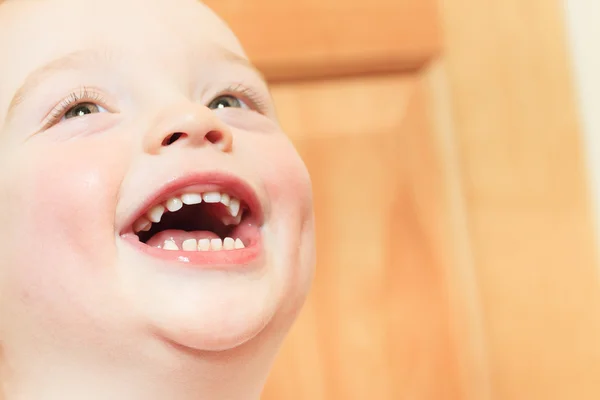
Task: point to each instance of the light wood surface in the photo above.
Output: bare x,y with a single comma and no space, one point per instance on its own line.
291,40
516,128
379,301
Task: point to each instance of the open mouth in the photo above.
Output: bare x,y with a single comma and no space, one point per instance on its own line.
203,222
210,221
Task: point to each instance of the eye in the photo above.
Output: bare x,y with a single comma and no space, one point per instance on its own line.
83,109
226,101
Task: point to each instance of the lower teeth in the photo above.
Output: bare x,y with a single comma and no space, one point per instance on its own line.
204,244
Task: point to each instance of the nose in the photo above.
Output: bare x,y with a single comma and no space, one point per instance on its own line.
188,125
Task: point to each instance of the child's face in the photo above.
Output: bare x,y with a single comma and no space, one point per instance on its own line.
120,106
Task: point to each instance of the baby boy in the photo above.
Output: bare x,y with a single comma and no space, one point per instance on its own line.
157,226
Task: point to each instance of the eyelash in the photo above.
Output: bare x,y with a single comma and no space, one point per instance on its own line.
257,102
88,95
84,95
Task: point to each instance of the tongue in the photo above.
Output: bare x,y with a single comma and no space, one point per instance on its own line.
179,237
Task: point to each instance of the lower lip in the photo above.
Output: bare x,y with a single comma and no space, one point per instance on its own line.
203,259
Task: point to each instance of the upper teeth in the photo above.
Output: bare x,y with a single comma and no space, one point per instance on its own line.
156,213
212,197
173,204
191,198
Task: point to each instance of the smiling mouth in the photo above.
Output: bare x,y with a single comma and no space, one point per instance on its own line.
203,224
210,221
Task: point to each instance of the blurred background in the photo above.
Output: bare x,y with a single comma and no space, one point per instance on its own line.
452,149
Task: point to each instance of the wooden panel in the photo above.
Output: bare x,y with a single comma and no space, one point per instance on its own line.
526,188
377,321
318,38
463,297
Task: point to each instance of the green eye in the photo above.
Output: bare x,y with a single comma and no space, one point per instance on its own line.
83,109
227,101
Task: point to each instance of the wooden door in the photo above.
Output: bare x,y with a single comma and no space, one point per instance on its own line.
353,92
443,144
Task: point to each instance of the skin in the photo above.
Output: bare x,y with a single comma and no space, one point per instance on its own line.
82,313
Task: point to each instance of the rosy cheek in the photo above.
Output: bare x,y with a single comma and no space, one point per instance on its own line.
59,243
288,184
286,177
67,195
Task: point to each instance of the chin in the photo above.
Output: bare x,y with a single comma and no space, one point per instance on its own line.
208,309
218,316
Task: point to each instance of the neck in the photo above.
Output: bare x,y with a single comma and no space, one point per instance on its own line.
169,373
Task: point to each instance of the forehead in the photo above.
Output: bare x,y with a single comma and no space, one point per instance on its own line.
36,32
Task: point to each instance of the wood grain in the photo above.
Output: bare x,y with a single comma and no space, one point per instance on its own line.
529,216
332,38
462,288
377,322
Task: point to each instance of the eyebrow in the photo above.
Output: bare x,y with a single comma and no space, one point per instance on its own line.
235,58
71,61
87,57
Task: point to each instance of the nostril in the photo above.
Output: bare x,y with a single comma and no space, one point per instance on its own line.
214,137
172,138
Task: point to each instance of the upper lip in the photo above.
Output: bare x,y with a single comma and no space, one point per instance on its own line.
207,181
